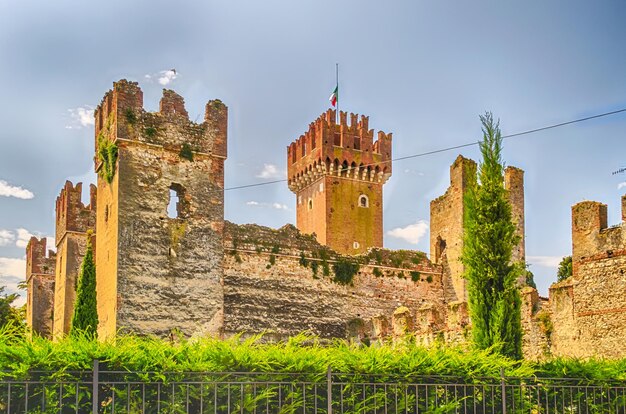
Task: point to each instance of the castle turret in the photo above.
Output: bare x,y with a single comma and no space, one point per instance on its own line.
337,172
160,214
73,221
40,287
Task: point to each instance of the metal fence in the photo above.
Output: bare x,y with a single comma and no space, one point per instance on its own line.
100,391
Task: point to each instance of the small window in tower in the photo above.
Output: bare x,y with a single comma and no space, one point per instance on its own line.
356,245
299,199
106,214
177,205
364,201
171,207
321,187
310,204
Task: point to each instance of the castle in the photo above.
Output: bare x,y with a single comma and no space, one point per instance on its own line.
192,271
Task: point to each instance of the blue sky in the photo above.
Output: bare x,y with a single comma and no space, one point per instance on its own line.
422,70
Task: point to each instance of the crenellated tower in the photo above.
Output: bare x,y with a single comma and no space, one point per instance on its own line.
337,172
160,214
73,221
40,287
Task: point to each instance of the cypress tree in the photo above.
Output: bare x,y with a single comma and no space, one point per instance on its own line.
85,319
489,238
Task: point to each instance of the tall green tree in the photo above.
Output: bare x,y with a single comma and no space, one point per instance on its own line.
10,315
85,319
489,238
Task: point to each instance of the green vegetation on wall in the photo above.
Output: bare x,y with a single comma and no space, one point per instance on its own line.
107,155
186,152
344,271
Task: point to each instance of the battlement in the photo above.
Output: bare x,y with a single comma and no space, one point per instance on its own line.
121,116
71,214
592,239
342,149
37,263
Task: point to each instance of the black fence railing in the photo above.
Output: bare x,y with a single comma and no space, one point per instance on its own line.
145,392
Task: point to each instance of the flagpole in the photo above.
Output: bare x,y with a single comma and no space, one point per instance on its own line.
337,85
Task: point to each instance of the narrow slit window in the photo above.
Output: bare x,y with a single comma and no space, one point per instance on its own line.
172,211
177,206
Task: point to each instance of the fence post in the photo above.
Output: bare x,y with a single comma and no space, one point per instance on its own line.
329,390
94,386
503,386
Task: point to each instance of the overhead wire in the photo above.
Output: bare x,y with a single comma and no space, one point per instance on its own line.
437,151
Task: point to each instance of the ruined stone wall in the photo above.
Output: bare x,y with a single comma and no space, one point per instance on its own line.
288,296
446,220
598,283
73,221
40,270
446,224
337,172
585,315
514,184
156,273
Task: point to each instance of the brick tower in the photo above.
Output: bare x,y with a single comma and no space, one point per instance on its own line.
337,173
40,287
160,214
73,221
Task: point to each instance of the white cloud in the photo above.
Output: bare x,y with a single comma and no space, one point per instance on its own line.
9,190
411,233
12,271
164,77
6,237
277,206
271,171
545,261
23,236
167,76
81,117
621,185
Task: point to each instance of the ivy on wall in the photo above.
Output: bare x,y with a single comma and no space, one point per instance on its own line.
107,154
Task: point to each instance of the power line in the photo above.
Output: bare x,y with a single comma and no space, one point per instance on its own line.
469,144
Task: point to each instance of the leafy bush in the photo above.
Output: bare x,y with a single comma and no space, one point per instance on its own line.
565,269
344,271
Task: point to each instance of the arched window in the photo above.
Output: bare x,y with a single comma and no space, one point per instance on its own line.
310,204
364,201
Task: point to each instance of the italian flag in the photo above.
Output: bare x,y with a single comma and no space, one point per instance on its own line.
334,96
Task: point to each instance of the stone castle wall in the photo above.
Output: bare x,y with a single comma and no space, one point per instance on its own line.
40,270
156,272
446,220
585,315
73,221
274,282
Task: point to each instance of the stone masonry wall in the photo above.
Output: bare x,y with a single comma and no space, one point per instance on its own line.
446,224
585,315
166,271
446,220
40,287
73,221
288,297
